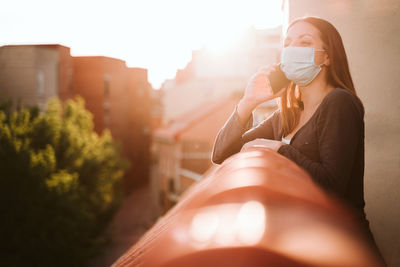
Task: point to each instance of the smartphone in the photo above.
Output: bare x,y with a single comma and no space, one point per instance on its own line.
278,80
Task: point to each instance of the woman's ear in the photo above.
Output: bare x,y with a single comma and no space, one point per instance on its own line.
327,61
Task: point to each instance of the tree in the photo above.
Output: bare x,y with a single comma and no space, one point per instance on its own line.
59,184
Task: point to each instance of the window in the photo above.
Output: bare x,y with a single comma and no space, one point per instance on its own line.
40,82
106,89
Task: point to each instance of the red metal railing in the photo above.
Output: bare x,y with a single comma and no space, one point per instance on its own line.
256,209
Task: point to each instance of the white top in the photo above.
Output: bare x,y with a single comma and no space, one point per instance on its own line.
287,141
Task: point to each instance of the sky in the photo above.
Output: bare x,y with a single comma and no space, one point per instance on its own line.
158,35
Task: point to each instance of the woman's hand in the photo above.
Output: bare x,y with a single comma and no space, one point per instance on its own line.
258,90
266,143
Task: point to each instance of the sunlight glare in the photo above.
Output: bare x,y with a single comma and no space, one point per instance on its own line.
251,222
154,34
204,226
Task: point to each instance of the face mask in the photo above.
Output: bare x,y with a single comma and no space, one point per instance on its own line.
298,64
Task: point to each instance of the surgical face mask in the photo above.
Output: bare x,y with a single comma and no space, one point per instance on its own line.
298,64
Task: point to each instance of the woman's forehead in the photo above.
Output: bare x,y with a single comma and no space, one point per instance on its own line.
300,29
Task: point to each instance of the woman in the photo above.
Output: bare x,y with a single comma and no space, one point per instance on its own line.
320,122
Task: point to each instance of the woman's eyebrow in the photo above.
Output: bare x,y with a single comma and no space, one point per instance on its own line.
306,34
301,36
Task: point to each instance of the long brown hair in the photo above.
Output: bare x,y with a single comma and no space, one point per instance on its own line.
338,73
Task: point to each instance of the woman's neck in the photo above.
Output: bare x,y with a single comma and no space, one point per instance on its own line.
314,93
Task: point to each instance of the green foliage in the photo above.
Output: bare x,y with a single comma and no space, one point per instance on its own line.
59,184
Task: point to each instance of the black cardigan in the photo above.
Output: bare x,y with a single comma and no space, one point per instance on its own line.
330,146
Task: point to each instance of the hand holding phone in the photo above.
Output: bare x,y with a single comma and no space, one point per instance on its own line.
258,90
264,85
277,79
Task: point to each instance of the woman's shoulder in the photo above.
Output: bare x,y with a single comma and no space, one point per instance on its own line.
340,98
340,94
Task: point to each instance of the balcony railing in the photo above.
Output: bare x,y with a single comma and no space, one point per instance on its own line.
257,209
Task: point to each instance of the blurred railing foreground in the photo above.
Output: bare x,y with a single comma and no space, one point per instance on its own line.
256,209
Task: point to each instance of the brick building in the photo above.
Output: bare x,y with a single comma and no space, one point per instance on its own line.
119,99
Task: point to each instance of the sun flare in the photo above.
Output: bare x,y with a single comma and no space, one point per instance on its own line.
154,34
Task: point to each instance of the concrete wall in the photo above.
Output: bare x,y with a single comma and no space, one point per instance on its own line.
370,31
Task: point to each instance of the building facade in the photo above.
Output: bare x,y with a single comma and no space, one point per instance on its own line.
119,99
32,74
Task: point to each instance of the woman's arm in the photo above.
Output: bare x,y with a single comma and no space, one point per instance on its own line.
340,135
233,135
229,140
